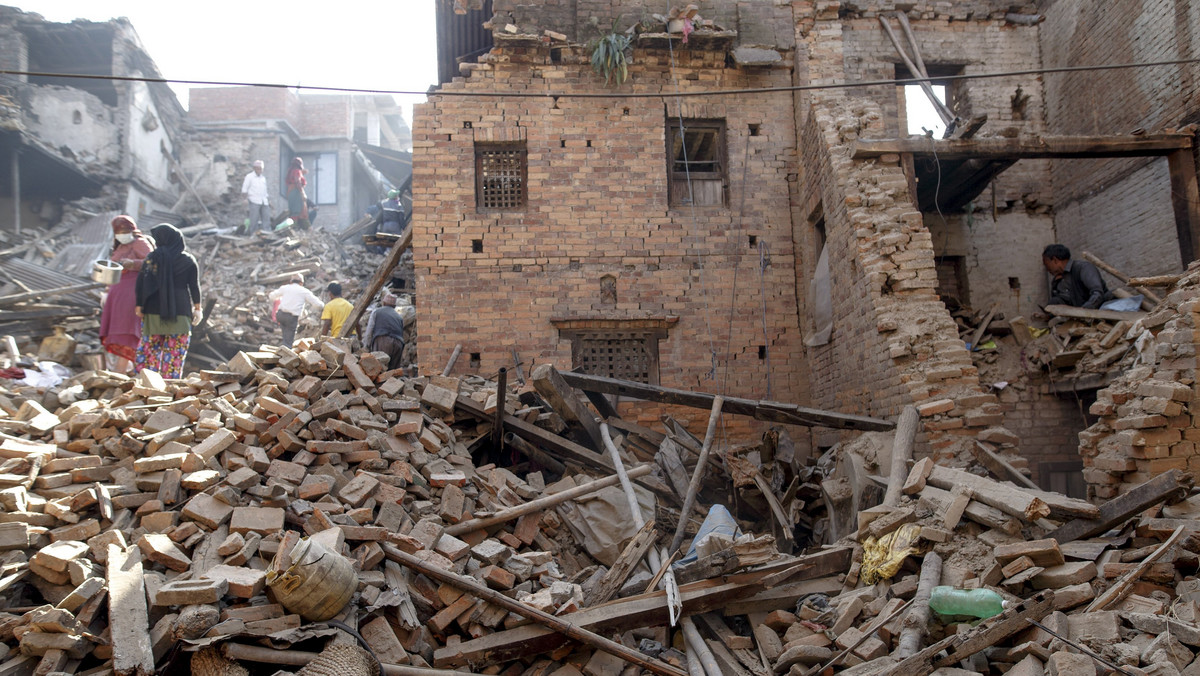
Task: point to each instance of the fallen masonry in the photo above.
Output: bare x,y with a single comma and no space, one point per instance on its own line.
309,510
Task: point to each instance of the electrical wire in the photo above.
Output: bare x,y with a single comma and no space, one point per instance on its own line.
616,95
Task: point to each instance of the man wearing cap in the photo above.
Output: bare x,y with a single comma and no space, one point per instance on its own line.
292,298
385,331
391,220
254,187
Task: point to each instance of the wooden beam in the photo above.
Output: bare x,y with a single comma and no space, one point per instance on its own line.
557,624
1116,511
1085,313
1004,497
128,614
1185,201
377,280
771,411
566,403
1095,260
1034,147
568,449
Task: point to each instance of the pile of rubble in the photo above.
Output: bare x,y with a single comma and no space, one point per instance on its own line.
310,507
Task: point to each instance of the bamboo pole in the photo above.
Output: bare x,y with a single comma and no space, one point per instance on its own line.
544,502
524,610
696,644
698,474
1124,278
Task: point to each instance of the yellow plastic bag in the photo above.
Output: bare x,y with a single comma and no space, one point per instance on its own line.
882,558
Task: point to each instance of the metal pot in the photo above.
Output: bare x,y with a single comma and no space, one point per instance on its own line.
106,272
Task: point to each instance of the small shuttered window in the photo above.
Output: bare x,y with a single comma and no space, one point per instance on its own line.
625,355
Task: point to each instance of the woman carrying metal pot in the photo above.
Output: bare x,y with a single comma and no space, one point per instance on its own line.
120,327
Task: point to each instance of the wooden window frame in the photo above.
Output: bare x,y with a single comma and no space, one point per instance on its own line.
482,199
679,194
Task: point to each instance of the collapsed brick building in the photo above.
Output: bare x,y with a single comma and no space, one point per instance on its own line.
558,223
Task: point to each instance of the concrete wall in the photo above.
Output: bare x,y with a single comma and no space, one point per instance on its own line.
598,206
61,117
1139,236
144,137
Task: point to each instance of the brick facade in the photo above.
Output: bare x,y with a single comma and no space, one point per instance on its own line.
1119,209
598,206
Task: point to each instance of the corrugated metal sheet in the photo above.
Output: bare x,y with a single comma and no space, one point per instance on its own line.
460,36
40,278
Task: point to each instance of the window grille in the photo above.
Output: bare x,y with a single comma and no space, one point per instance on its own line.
625,355
500,177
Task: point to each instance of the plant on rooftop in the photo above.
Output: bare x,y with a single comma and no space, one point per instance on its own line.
610,55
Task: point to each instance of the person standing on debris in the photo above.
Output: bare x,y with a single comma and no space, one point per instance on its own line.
120,328
297,199
292,298
385,331
168,280
258,201
336,311
1076,283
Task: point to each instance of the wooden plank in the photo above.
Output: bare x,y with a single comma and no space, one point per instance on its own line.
1118,589
129,619
536,435
34,295
377,280
649,610
565,402
1004,497
999,468
1085,313
982,328
1027,147
772,411
630,556
1122,507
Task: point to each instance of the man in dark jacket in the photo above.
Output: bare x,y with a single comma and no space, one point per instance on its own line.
1076,283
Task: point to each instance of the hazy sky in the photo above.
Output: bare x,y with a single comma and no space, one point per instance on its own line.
369,44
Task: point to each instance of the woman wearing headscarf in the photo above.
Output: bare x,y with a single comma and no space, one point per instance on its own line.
296,198
120,327
168,280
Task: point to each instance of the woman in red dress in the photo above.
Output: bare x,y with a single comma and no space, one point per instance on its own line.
120,327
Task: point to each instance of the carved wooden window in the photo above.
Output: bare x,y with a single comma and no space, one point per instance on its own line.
626,355
698,170
500,176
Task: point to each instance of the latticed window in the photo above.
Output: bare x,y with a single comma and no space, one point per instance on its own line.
500,176
626,355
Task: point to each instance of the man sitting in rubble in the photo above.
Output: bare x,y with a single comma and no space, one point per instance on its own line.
1075,283
292,298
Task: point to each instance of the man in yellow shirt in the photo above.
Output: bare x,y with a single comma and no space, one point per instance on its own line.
336,311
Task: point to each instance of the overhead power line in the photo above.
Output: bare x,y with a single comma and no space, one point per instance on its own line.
623,95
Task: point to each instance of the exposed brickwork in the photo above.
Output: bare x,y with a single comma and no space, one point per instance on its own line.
1137,238
597,206
1147,416
224,104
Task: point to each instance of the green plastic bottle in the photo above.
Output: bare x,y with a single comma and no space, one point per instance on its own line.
981,603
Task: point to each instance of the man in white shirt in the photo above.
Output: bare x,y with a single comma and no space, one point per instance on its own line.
254,187
292,298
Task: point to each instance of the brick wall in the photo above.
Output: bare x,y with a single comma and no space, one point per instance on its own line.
225,104
1116,102
1148,422
326,116
598,206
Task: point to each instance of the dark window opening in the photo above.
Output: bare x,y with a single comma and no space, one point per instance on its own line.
762,351
477,246
589,143
466,124
475,360
556,55
754,130
753,240
500,175
698,169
